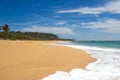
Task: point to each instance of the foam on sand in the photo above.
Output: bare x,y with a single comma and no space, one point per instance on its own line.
107,66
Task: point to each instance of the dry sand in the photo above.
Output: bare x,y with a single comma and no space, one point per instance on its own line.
32,60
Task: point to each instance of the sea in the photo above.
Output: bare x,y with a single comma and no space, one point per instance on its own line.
106,66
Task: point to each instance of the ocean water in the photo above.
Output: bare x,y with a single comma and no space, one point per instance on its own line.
106,67
103,44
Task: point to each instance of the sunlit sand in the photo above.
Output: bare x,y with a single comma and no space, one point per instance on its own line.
32,60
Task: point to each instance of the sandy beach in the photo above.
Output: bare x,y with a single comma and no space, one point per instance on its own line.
33,60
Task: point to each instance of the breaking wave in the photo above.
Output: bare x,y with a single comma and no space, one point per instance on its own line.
107,66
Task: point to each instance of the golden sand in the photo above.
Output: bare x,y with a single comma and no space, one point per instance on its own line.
32,60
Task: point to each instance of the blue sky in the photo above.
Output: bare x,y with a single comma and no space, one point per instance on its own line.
78,19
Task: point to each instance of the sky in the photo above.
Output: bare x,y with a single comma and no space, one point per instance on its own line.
75,19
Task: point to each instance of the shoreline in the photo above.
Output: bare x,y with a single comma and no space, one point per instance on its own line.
40,59
106,66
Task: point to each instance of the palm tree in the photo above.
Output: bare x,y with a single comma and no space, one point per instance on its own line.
6,28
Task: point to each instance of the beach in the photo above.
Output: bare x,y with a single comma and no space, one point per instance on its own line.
33,60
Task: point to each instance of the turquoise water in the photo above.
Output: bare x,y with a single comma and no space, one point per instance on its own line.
106,44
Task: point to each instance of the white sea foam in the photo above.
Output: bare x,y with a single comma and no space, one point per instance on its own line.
107,66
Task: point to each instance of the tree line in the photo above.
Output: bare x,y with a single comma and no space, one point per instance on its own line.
5,33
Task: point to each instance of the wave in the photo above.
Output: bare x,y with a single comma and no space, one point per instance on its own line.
107,66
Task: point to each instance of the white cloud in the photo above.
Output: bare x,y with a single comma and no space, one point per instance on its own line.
61,23
112,7
84,10
107,25
55,30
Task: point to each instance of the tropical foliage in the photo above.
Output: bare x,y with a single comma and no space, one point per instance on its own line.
5,33
5,28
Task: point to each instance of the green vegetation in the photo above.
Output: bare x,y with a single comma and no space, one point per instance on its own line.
5,28
28,36
5,33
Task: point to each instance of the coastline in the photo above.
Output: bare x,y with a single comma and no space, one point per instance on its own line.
33,60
